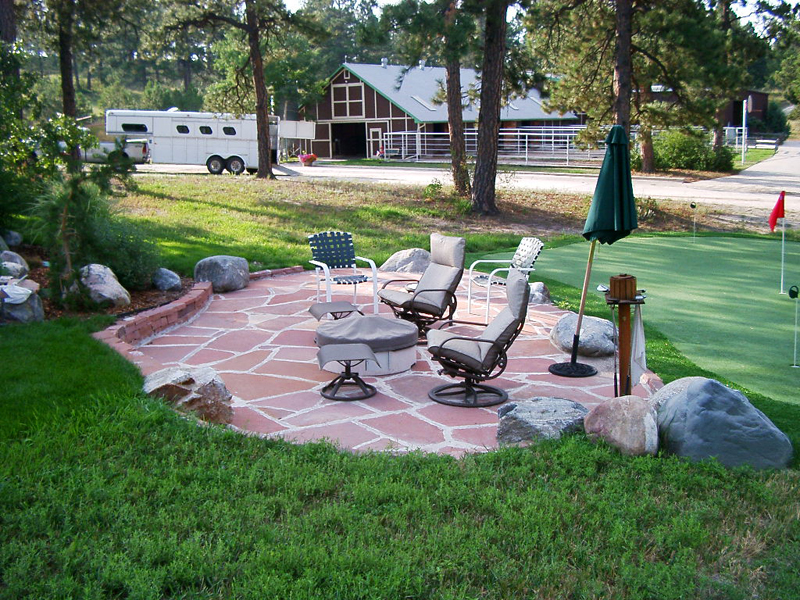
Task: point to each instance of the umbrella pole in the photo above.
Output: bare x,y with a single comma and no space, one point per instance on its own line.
573,368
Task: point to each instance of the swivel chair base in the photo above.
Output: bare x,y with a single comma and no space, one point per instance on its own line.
468,394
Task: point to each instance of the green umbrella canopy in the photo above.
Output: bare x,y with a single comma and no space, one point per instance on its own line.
612,215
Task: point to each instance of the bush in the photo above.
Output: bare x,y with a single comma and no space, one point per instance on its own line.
676,149
161,97
122,247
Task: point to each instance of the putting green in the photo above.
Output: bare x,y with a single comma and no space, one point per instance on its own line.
717,299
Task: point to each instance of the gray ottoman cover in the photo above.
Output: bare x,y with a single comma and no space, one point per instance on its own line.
380,334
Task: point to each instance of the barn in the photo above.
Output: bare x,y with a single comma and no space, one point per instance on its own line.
363,103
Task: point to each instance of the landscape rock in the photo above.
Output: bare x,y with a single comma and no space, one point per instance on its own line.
628,423
226,273
198,390
413,260
707,419
12,238
7,256
539,294
596,339
30,310
102,286
540,418
166,280
15,270
673,388
3,245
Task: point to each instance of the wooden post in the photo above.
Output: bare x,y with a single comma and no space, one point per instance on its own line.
624,334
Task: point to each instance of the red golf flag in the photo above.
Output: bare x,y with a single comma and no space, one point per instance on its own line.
777,212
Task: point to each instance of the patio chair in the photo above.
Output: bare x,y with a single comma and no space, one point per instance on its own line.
334,250
478,359
523,260
433,298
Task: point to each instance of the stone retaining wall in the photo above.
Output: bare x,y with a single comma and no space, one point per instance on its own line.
125,335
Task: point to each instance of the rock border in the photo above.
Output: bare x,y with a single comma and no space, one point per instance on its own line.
127,335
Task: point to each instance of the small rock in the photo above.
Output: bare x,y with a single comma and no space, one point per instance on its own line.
226,273
199,391
29,311
628,423
596,336
102,286
12,238
15,270
413,260
539,294
166,280
707,419
537,419
7,256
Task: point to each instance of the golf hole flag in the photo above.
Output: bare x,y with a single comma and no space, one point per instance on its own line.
778,212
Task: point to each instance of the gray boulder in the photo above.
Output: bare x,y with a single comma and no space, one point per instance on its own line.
12,238
596,339
226,273
166,280
3,245
7,256
707,419
628,423
413,260
28,311
15,270
199,391
537,419
102,286
673,388
539,294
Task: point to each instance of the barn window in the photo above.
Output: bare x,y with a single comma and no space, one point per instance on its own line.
348,100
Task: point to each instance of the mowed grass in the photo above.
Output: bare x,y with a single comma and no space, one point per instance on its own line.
105,493
118,497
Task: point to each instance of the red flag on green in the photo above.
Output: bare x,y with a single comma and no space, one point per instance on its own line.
777,212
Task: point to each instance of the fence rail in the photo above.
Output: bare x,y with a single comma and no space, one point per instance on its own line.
554,146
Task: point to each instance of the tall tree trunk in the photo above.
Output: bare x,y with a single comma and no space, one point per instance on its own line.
187,74
622,65
494,50
66,18
76,72
725,23
8,22
455,117
262,100
645,97
455,114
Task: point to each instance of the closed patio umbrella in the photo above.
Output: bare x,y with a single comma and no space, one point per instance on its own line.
611,217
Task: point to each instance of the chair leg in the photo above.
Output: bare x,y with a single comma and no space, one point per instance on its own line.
348,379
468,394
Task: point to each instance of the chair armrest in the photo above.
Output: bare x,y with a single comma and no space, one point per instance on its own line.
385,283
371,264
495,343
321,265
486,260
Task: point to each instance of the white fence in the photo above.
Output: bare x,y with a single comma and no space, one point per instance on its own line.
527,145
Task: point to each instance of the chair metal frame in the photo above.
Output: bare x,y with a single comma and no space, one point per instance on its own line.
331,250
524,258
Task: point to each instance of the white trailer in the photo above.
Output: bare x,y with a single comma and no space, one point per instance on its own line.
218,141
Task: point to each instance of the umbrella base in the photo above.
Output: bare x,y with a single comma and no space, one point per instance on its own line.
572,369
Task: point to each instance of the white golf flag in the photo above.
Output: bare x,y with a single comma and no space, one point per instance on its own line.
638,355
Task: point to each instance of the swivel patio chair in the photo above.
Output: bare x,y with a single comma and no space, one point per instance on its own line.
523,260
433,298
334,251
478,359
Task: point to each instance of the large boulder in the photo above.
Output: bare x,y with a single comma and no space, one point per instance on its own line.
413,260
596,339
673,388
540,418
166,280
628,423
102,286
12,238
199,391
7,256
226,273
706,419
20,303
539,294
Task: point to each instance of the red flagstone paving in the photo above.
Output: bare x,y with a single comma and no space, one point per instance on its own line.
261,342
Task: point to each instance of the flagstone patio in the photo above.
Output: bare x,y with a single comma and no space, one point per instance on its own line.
261,342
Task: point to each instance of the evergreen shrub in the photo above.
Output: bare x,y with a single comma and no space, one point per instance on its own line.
676,149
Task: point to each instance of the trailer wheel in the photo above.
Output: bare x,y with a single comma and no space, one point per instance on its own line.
215,165
235,165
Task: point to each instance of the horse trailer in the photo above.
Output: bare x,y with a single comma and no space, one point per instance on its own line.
218,141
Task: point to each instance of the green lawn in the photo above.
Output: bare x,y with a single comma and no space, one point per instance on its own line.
717,300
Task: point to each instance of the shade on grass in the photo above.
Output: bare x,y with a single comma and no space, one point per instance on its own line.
715,298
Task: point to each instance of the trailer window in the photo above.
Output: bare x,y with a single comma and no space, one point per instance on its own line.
182,129
205,130
229,130
134,127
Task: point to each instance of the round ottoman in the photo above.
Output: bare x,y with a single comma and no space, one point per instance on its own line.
393,341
